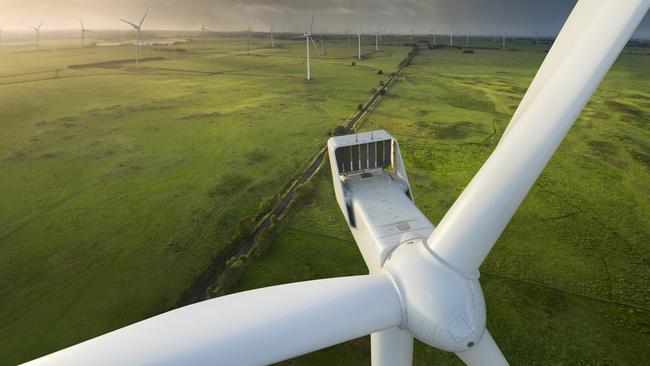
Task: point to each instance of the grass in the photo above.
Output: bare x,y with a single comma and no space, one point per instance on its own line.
567,282
119,185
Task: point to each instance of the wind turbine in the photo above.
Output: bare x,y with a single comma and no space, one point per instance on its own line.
38,32
203,30
377,41
1,29
248,42
451,38
359,34
423,281
308,38
272,40
83,35
138,36
503,44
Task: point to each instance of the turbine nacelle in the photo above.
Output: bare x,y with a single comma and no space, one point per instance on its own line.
441,306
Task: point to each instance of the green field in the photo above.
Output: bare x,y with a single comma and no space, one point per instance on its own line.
119,185
567,283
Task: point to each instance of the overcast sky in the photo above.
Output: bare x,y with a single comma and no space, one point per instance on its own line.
475,16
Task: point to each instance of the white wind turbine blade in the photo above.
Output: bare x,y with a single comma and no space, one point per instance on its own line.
251,328
597,30
131,24
561,46
143,17
315,45
485,353
313,18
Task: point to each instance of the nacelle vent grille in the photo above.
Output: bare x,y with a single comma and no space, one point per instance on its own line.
371,155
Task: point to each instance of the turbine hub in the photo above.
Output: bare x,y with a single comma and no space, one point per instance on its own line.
443,307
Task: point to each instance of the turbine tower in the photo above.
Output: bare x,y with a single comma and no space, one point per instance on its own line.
308,38
38,32
83,35
377,41
1,29
503,43
203,31
248,40
423,281
138,36
359,36
272,40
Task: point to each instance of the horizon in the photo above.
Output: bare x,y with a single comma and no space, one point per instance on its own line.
519,18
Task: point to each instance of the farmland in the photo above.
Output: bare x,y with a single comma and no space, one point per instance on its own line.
567,282
119,185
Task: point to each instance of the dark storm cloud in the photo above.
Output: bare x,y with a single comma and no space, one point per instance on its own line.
475,16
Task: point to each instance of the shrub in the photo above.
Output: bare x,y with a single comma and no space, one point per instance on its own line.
305,192
373,90
360,107
354,63
267,204
380,72
262,243
245,229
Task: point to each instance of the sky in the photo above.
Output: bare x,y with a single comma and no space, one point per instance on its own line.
516,17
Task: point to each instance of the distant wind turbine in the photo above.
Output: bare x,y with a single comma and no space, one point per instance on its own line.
272,40
308,38
1,28
138,36
38,32
203,30
83,35
377,41
504,41
359,43
248,43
